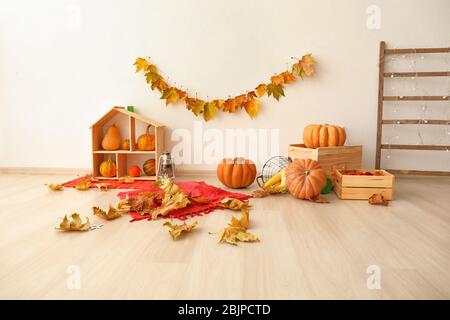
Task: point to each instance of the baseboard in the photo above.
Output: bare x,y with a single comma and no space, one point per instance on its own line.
81,171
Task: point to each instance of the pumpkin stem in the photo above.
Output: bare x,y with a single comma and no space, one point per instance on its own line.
148,128
306,173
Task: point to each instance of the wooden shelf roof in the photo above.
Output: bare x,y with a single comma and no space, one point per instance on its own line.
115,110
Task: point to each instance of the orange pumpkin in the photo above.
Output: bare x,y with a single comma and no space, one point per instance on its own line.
111,140
126,144
305,179
146,142
236,173
316,135
149,167
134,171
108,168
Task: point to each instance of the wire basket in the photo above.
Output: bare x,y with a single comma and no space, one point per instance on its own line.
272,167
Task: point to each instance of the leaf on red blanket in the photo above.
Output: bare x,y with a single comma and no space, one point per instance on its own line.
83,185
126,179
199,199
378,199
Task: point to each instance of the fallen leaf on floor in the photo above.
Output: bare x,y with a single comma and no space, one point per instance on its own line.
83,185
237,230
126,179
233,204
177,229
54,186
378,199
102,186
112,213
76,224
260,193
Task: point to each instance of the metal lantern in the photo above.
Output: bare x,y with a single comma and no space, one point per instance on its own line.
272,167
166,167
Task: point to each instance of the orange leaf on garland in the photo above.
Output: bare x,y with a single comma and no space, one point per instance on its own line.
278,79
229,106
261,90
159,84
240,100
251,95
252,107
182,95
195,105
288,77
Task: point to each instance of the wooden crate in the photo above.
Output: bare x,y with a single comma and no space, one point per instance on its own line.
329,158
363,187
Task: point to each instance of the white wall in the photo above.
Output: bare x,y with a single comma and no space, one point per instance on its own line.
58,74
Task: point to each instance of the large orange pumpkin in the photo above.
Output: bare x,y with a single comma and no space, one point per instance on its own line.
305,179
111,140
108,168
316,135
146,142
236,173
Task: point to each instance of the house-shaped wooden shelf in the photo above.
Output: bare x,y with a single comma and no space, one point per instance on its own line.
131,126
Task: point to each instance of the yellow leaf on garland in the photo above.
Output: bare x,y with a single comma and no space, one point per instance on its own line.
159,84
307,63
176,230
76,224
275,90
261,90
197,107
141,64
209,111
152,76
54,186
252,107
83,185
182,95
240,100
110,215
170,95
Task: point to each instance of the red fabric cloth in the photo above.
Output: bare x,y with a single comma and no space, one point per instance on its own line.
192,188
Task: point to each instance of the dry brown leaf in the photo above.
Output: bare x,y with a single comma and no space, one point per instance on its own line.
260,193
102,186
378,199
173,199
277,79
233,204
176,230
126,179
261,90
320,199
112,213
54,186
237,230
76,224
200,199
83,185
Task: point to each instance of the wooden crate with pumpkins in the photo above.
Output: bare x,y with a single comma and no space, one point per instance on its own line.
125,143
325,144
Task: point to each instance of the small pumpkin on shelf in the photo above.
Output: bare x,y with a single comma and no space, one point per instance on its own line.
126,144
134,171
316,135
111,140
149,167
146,141
108,168
305,179
236,173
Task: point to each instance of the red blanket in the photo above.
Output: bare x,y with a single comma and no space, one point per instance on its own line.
192,188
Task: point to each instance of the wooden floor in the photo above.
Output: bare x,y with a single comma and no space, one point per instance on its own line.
307,250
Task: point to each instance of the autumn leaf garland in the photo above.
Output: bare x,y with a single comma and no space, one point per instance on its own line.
248,101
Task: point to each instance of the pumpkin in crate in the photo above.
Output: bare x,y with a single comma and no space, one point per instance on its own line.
149,167
316,135
111,140
146,141
126,144
134,171
236,173
305,179
108,168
